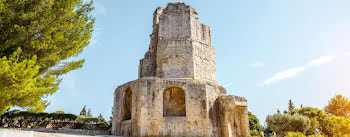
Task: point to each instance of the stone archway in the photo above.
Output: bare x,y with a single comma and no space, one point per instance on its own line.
174,103
127,104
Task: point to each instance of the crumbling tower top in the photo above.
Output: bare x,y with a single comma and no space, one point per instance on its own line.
180,46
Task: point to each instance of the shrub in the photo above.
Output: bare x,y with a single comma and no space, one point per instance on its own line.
295,134
30,116
87,120
317,135
59,112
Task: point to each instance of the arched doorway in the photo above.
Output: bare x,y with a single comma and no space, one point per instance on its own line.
127,104
174,103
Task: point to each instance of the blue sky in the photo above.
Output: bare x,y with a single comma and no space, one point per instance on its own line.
267,51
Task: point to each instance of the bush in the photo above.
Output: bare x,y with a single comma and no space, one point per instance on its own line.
317,135
59,112
87,120
30,116
254,133
295,134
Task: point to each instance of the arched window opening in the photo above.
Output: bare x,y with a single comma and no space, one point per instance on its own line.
174,103
127,104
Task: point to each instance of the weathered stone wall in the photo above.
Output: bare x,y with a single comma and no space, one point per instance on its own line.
148,109
180,46
148,65
231,116
204,110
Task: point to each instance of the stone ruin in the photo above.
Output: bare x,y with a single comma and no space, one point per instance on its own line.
176,93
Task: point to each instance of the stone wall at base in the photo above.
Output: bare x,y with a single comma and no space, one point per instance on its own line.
206,106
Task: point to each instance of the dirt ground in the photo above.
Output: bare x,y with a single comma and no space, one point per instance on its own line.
22,133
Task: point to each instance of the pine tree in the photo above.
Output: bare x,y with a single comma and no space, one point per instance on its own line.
89,113
101,118
291,106
83,111
36,40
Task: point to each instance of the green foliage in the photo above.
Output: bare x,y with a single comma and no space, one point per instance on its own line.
291,106
317,118
254,133
20,85
283,123
254,125
338,106
59,112
295,134
35,38
83,111
25,115
84,120
317,135
101,118
89,113
337,126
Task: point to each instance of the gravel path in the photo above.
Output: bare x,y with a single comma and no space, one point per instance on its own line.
21,133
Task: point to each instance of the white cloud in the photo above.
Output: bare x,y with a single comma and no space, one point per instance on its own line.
284,75
257,64
320,61
289,73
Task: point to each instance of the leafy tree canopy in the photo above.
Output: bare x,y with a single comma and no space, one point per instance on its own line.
338,106
284,123
254,125
317,118
36,39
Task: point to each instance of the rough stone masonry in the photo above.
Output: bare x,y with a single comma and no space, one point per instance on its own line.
176,93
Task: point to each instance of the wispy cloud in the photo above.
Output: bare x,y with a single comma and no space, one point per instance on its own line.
292,72
320,61
257,64
284,75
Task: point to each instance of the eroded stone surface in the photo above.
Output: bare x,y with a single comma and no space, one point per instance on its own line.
177,93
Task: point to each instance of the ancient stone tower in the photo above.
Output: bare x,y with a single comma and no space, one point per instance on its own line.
176,93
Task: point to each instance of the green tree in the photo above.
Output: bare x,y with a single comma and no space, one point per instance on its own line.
278,111
291,106
254,125
102,119
338,126
83,111
89,113
317,118
284,123
338,106
36,40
